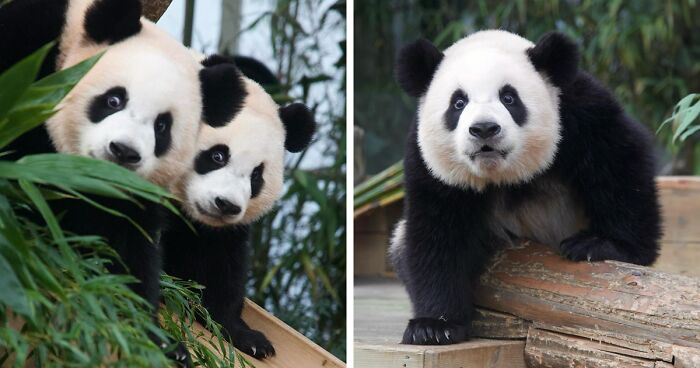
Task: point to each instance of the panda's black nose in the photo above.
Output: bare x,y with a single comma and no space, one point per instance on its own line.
123,153
484,129
226,207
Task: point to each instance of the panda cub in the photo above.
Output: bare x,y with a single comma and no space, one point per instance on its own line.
140,106
234,179
512,140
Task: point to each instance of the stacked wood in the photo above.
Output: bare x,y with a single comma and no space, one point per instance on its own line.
603,314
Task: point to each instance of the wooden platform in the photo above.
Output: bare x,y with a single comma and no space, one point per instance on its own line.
381,312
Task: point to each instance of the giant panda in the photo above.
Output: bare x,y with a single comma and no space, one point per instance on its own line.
235,178
512,140
140,106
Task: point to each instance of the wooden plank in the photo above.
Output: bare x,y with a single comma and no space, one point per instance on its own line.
476,353
497,325
686,357
292,348
553,350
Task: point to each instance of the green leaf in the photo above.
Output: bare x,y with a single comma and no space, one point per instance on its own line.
13,294
38,103
16,80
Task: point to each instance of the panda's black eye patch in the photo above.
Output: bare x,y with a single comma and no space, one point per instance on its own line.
161,128
106,104
511,100
211,159
256,180
458,102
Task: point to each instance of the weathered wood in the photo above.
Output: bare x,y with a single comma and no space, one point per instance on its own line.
154,9
553,350
628,310
292,348
475,353
496,325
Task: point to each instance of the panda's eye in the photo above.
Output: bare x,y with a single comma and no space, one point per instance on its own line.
508,99
114,102
218,157
459,104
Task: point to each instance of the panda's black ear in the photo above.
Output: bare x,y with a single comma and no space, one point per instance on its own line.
223,90
110,21
415,66
299,125
555,55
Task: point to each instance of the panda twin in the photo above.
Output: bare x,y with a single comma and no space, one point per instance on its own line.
194,125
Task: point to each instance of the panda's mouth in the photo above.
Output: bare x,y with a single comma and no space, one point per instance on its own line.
487,151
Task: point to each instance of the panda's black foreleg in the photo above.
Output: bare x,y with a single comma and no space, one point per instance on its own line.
218,259
447,244
614,178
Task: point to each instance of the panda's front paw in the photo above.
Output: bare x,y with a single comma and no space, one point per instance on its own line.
434,331
180,355
253,343
585,246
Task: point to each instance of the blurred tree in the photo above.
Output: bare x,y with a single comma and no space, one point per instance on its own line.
646,51
230,25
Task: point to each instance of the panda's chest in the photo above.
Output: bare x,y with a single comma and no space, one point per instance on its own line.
545,211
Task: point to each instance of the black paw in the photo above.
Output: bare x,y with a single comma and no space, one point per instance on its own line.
588,247
434,331
179,355
253,343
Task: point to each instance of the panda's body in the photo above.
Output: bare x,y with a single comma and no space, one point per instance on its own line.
512,141
234,179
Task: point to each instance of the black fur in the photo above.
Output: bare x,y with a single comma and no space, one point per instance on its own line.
299,126
516,108
223,90
453,111
256,71
38,22
111,21
416,65
26,25
99,109
218,259
257,181
162,128
557,56
604,157
204,162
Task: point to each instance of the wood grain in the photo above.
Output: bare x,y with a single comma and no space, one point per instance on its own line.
154,9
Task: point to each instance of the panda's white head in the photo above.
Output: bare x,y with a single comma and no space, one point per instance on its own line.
141,105
237,173
489,105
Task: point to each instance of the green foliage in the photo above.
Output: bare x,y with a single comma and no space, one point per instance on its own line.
645,51
299,261
59,305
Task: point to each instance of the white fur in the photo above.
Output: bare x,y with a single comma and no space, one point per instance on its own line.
480,65
256,135
159,75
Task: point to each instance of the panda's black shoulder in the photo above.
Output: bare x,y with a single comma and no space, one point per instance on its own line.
27,25
592,119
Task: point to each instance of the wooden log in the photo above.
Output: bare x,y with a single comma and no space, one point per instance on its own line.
629,311
154,9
